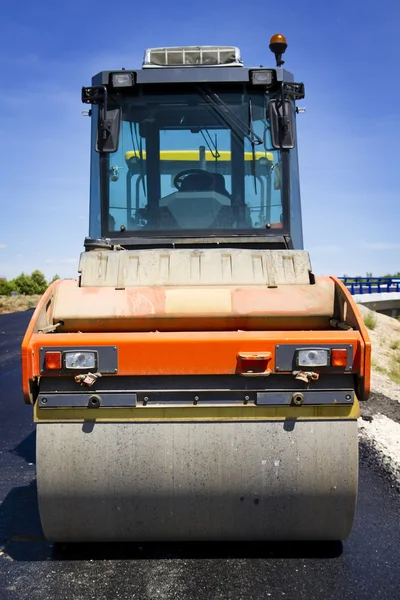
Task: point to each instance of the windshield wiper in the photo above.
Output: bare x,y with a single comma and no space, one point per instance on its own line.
232,119
139,152
212,146
253,147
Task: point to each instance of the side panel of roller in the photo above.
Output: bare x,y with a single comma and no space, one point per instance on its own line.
268,480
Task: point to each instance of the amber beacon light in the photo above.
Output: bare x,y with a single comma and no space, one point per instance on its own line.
278,45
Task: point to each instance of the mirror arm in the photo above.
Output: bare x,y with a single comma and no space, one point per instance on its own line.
105,124
284,121
108,120
97,94
289,91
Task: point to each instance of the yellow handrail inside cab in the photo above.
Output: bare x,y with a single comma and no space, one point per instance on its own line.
194,155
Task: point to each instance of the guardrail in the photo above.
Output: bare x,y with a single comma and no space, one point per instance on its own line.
371,285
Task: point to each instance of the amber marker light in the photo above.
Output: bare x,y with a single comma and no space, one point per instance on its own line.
278,45
278,38
52,361
339,357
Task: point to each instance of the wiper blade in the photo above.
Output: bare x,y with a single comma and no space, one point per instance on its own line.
211,145
253,158
139,152
232,119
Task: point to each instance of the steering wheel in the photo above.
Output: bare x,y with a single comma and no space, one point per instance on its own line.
179,177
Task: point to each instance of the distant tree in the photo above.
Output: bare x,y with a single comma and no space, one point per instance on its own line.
396,275
6,287
40,282
25,285
56,276
367,274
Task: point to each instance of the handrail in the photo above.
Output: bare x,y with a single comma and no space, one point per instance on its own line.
371,285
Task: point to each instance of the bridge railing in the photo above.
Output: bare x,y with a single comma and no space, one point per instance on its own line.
371,285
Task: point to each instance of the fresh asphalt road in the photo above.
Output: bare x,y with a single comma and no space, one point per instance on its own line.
366,566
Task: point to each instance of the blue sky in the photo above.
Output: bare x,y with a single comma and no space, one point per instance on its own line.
347,52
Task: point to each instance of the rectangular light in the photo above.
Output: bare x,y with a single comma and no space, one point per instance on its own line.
124,79
261,77
52,361
80,360
339,357
312,357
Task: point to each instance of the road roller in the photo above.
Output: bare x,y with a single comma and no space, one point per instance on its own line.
196,381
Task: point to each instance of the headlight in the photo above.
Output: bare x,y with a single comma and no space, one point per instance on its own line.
312,357
80,360
124,79
261,77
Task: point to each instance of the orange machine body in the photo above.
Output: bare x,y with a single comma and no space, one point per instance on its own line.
211,351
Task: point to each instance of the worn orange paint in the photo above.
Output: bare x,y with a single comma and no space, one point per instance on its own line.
194,308
187,353
194,352
363,357
27,350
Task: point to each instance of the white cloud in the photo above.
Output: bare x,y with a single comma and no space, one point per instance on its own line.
61,261
325,249
3,246
381,245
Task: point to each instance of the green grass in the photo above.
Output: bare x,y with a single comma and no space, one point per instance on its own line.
377,367
395,345
370,320
394,372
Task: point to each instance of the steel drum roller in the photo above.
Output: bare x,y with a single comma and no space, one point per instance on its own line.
197,480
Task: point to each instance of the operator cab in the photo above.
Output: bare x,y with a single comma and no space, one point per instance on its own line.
195,148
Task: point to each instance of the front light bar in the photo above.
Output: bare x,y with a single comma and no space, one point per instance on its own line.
68,360
290,357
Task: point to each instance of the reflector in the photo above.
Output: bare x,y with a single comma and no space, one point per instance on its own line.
52,360
339,357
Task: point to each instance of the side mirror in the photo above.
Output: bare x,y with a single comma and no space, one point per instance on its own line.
282,124
108,129
109,122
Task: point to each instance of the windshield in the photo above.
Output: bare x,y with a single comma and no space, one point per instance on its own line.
191,161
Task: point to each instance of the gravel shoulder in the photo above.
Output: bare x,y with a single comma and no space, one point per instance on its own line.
12,304
385,340
379,425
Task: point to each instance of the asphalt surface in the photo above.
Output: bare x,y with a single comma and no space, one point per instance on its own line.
366,566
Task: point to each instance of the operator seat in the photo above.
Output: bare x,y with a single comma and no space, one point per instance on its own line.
196,182
202,201
219,185
199,182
